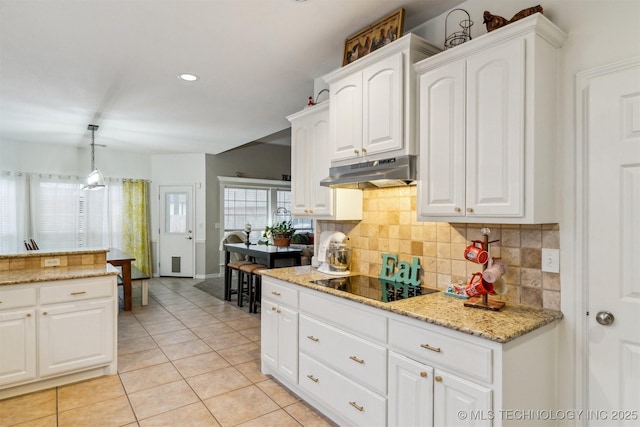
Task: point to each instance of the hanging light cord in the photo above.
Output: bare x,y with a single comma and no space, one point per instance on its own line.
93,150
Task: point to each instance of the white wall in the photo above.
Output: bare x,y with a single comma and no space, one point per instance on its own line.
599,33
180,169
65,160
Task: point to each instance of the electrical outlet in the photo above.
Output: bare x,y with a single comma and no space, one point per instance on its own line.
52,262
551,260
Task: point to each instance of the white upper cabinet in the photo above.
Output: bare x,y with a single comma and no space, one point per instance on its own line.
372,103
310,163
487,129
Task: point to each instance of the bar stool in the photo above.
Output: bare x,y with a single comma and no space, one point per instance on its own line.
255,292
228,272
247,270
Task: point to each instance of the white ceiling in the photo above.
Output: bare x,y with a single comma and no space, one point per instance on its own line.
114,63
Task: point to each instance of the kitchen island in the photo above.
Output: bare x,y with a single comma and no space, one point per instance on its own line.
425,360
58,319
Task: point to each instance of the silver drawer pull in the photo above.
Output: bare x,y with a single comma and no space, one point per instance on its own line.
312,338
428,347
312,378
355,359
358,407
78,293
275,293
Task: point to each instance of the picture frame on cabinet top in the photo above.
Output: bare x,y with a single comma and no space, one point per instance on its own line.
379,34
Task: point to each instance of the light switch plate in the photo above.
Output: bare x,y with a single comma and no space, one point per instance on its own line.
551,260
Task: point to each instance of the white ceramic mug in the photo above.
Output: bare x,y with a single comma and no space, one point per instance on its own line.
494,271
500,286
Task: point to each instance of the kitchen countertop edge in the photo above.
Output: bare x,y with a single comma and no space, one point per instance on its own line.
501,326
35,275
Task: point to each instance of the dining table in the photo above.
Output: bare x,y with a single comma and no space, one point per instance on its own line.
267,254
119,258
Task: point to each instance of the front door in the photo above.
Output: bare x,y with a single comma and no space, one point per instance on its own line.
176,244
613,245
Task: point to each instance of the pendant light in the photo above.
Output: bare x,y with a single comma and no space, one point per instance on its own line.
95,180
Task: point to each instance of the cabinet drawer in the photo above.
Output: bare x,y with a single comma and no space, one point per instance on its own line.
75,290
351,401
16,297
347,316
361,360
279,294
431,347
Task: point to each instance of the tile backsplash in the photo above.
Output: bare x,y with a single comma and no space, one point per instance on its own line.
390,225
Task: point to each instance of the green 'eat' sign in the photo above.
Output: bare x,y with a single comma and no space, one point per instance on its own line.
407,273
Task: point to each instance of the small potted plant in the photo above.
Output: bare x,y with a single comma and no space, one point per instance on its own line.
281,233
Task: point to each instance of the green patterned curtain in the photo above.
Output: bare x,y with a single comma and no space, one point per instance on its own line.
135,223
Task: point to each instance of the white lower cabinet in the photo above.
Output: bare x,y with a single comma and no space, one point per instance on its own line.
422,396
351,401
410,392
75,335
53,333
364,366
279,330
17,335
458,402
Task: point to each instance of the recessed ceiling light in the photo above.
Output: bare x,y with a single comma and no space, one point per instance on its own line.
188,77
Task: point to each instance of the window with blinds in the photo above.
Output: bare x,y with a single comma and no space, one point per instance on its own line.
246,206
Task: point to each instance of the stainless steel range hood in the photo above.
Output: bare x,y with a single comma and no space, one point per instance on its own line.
391,172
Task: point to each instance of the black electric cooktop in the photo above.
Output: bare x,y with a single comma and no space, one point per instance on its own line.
374,288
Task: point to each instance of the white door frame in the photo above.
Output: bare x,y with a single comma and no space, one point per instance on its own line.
578,294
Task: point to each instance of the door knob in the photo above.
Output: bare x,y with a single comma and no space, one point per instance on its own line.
604,318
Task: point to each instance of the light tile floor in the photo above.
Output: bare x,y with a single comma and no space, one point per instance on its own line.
186,359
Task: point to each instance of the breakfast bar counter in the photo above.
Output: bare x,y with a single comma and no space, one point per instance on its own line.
58,317
503,326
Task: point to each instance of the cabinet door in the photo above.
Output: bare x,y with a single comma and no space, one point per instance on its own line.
495,130
269,333
410,392
288,343
442,141
17,346
454,396
382,108
301,146
346,117
318,163
75,335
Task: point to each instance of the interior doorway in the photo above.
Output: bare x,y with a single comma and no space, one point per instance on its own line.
608,232
176,239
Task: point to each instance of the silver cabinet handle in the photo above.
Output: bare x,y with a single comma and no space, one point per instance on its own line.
312,378
312,338
276,293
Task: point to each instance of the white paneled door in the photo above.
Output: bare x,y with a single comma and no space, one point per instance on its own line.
613,244
176,245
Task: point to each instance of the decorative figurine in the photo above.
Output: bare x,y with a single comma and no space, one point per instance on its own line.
494,21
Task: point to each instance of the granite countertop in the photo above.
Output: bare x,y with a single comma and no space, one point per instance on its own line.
32,275
501,326
39,253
